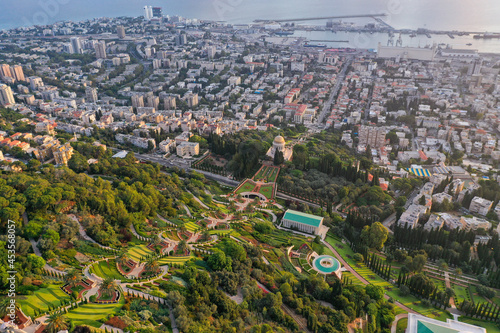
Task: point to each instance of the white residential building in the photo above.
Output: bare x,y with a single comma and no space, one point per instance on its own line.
480,205
185,149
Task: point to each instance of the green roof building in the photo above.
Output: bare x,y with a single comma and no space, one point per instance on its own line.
303,222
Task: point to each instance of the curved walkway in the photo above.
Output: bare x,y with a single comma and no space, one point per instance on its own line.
165,220
47,267
269,212
84,235
136,234
198,200
394,325
186,208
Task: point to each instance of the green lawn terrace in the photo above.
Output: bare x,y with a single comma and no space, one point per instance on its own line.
192,227
175,260
103,298
139,253
263,183
41,299
171,234
267,174
249,187
91,314
267,191
106,268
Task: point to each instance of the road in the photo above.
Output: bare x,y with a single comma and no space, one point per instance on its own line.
389,221
328,104
185,166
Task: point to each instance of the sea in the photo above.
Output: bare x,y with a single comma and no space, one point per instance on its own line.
460,15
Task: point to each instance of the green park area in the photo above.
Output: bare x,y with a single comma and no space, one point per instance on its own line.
192,227
267,191
247,186
90,314
267,174
139,251
42,299
489,326
174,260
106,269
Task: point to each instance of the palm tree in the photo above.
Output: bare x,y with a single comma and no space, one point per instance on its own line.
108,286
157,243
182,247
56,322
4,306
72,278
205,235
152,265
122,258
157,240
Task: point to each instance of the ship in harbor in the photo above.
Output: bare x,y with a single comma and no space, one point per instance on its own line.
284,33
307,44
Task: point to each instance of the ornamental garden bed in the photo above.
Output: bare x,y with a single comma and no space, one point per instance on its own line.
80,288
103,298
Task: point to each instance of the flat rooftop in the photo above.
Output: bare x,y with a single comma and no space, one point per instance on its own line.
303,218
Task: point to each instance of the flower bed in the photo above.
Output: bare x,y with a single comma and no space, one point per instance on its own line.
105,299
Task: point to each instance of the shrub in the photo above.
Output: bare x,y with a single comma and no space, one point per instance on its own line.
358,257
485,291
426,303
404,290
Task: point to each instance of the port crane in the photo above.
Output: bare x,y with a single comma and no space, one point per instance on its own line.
399,42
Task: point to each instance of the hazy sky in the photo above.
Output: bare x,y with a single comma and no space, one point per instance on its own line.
478,15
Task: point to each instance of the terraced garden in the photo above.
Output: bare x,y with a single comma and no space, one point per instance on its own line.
267,174
247,186
306,266
221,231
139,251
106,269
461,293
90,314
192,227
171,234
174,260
267,191
42,299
